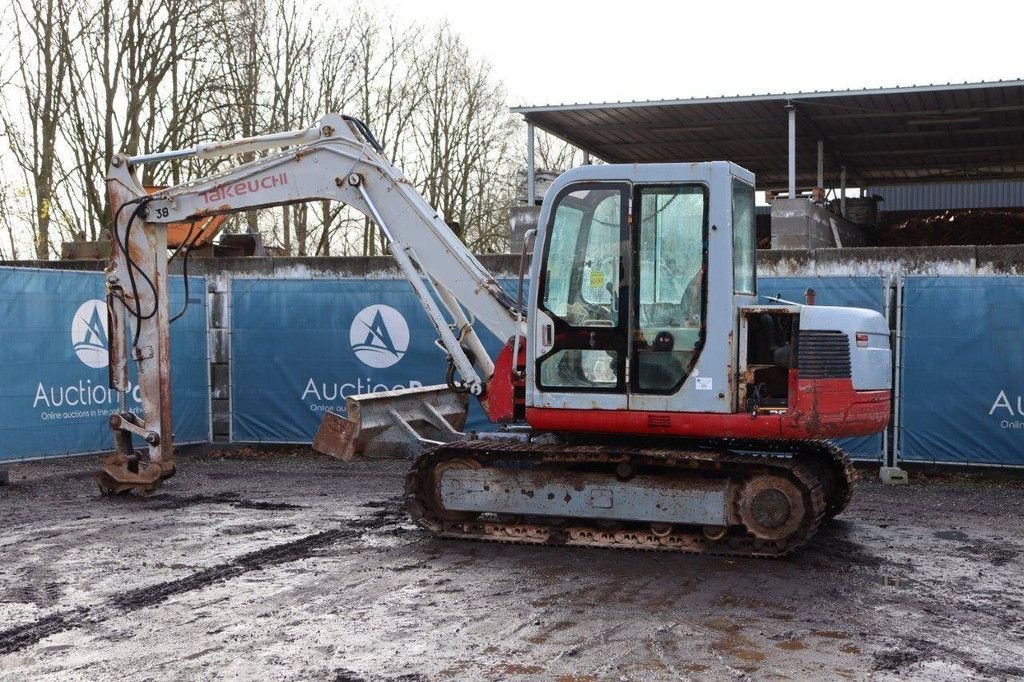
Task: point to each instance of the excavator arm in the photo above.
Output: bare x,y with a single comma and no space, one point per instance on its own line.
337,159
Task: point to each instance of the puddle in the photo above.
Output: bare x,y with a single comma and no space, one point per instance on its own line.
955,535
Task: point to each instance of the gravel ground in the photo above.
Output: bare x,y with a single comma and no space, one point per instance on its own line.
262,565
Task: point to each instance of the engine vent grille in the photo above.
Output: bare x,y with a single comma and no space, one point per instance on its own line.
659,421
823,354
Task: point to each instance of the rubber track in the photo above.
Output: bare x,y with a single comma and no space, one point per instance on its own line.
801,464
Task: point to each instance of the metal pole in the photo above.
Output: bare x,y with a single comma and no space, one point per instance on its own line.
842,191
531,179
586,158
821,163
792,150
897,441
887,296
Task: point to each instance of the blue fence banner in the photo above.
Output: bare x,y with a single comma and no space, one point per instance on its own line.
856,292
54,398
963,370
300,347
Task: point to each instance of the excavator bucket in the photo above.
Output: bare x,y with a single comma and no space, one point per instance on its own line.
119,475
393,423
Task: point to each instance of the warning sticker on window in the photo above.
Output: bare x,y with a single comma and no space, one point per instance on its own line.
704,384
596,279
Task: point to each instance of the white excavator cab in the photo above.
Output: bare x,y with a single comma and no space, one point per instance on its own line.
639,274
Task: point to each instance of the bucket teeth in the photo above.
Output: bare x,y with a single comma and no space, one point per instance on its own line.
118,476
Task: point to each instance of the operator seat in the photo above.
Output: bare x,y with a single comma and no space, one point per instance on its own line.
658,367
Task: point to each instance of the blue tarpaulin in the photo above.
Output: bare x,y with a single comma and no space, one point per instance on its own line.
54,398
857,292
300,347
963,370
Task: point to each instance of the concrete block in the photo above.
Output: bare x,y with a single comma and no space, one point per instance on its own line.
893,476
219,313
220,381
790,226
786,241
521,219
219,345
220,417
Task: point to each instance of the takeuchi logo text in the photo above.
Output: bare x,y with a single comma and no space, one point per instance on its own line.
238,189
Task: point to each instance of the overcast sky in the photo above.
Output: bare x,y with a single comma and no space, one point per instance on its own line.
558,51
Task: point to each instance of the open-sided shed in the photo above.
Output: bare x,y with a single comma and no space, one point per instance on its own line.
969,131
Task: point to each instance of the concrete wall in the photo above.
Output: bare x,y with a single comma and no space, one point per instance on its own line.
893,261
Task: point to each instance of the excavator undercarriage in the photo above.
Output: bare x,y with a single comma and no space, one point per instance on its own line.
735,497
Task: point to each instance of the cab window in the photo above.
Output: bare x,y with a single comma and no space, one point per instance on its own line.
744,239
672,283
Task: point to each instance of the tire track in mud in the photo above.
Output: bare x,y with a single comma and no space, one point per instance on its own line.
17,638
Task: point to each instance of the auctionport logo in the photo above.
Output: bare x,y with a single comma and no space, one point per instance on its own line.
89,333
379,336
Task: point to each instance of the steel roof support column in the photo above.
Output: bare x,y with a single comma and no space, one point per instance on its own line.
531,173
821,163
792,149
842,191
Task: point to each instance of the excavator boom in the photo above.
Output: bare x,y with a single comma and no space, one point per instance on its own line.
337,159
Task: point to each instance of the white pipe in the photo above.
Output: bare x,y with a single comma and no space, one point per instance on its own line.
242,145
792,151
821,163
842,191
531,178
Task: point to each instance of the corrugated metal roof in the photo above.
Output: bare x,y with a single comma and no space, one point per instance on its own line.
937,196
883,136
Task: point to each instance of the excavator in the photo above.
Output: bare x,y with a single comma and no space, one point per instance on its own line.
646,398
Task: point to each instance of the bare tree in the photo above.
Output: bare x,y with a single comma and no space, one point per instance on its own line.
462,136
334,77
31,123
138,83
7,220
555,154
96,77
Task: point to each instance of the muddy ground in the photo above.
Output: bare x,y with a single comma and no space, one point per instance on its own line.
288,565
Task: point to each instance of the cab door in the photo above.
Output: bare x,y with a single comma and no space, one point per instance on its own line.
581,329
669,304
